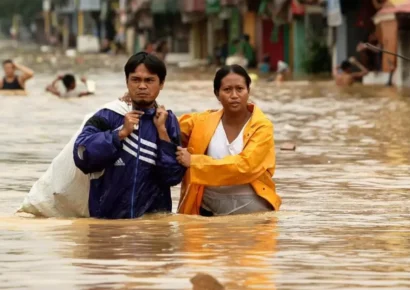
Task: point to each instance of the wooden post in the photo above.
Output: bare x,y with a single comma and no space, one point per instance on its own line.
80,30
47,24
47,20
66,33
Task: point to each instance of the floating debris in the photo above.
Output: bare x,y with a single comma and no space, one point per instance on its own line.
203,281
288,147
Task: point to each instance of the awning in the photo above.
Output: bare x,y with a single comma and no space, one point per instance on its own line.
165,6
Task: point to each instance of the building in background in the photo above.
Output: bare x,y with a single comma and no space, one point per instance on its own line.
197,31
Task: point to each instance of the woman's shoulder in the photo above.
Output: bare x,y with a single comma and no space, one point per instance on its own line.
200,115
259,118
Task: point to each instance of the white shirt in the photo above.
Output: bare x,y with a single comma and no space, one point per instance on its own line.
218,148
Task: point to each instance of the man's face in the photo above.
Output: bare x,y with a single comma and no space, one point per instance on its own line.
9,69
143,87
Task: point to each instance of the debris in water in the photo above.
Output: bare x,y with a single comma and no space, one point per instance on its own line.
288,147
203,281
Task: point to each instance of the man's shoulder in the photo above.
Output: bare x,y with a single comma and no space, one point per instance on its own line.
105,119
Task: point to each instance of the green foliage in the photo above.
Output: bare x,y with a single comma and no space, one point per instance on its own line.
317,58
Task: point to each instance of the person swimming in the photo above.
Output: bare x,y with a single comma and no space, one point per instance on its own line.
347,77
70,85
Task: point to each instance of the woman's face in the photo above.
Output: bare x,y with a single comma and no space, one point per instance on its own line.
233,93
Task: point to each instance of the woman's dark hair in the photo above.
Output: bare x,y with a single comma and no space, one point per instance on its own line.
68,80
153,64
225,70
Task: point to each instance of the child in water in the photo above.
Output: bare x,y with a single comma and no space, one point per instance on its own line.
70,86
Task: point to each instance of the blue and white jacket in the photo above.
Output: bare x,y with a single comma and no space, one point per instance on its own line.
130,177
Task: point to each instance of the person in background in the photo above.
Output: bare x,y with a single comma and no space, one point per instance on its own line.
70,85
149,47
12,81
248,51
371,59
131,159
346,77
162,50
282,73
237,54
229,153
264,66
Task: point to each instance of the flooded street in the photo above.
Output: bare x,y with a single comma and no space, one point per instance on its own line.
344,222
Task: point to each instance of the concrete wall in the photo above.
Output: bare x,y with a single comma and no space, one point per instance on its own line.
402,75
348,35
341,41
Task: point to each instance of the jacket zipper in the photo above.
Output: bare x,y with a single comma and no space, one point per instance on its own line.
136,168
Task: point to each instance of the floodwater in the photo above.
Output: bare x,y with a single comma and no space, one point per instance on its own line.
344,223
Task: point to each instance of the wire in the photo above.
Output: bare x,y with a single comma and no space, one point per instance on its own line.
375,48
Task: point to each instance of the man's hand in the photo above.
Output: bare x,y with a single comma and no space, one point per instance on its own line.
84,79
131,119
183,157
160,118
361,46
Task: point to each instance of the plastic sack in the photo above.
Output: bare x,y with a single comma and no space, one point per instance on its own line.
63,190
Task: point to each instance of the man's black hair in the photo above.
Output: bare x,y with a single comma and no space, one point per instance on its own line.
153,64
7,61
68,80
346,65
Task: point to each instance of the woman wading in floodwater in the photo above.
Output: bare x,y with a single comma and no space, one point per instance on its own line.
229,153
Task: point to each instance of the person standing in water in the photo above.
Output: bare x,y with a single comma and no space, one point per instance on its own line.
131,159
161,50
347,77
229,153
12,81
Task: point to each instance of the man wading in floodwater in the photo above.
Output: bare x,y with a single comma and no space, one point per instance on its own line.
347,77
11,80
132,160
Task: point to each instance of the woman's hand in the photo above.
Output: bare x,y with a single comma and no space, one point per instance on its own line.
183,157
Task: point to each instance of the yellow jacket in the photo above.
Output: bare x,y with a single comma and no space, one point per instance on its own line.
254,165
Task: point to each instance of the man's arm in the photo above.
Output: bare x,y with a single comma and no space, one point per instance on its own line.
170,172
363,71
97,146
84,93
335,71
52,87
27,73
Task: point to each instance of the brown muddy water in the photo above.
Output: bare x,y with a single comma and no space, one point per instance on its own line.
344,223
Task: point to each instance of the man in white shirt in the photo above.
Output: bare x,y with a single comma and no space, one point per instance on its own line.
70,86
